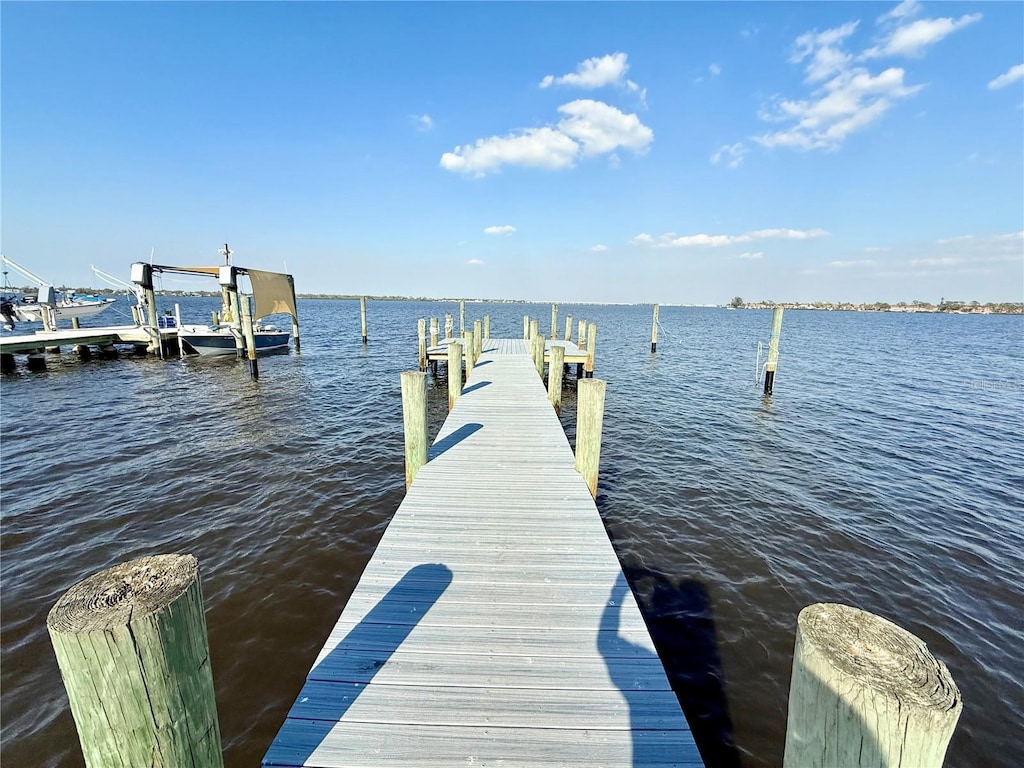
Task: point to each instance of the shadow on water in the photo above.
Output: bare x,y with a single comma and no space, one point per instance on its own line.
680,620
454,439
382,630
477,385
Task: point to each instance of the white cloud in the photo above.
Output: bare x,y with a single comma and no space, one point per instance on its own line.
853,263
824,49
474,262
593,73
752,255
423,122
714,69
589,128
734,153
849,102
913,38
504,230
1012,75
535,148
601,128
947,261
599,248
672,240
904,10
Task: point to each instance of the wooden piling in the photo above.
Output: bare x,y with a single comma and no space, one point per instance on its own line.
534,328
478,339
454,373
487,326
250,336
526,326
414,414
36,362
773,352
865,692
462,319
568,327
132,649
581,335
433,331
215,317
556,367
654,331
449,325
591,344
362,316
554,322
589,420
469,353
7,364
76,323
421,335
537,348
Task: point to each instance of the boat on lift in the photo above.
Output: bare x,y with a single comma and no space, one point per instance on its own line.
66,305
221,339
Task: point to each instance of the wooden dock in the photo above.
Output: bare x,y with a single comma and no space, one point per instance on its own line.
99,337
493,624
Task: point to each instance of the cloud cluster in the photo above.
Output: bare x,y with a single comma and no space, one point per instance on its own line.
845,96
672,240
503,231
587,128
1012,75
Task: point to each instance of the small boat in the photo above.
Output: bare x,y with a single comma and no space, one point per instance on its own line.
220,339
69,306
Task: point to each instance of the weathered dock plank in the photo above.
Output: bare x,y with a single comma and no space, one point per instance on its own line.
493,624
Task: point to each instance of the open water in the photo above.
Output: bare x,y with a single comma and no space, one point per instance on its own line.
887,472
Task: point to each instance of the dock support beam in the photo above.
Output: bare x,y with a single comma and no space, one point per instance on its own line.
250,336
591,344
7,364
414,413
654,331
865,692
454,373
362,315
131,645
589,420
773,352
556,367
421,335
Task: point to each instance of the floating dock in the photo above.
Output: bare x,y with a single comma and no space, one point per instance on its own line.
493,624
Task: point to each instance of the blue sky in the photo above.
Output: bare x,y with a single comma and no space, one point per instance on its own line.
671,152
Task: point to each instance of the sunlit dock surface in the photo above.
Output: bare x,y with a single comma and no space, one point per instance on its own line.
493,624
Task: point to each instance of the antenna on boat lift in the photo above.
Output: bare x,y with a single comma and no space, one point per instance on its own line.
226,252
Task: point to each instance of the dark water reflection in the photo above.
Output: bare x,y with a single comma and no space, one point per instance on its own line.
886,472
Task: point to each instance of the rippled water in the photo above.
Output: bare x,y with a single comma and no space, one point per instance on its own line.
887,472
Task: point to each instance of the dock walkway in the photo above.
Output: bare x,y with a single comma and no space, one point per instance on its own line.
493,624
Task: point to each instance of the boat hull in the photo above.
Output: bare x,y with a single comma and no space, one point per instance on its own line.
32,313
210,343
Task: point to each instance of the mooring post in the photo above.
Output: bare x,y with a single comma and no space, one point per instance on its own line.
421,334
454,373
581,335
538,354
654,331
132,649
250,336
555,370
568,327
414,414
591,344
215,317
295,317
470,351
478,339
75,323
449,325
433,331
534,328
526,326
554,322
462,319
773,352
362,315
865,692
589,420
487,326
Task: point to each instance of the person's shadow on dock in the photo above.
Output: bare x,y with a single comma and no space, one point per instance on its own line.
334,684
680,620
